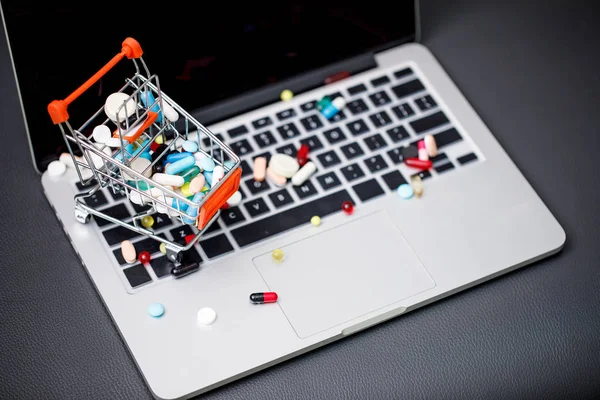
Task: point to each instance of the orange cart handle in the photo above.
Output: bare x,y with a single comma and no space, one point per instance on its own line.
218,198
58,108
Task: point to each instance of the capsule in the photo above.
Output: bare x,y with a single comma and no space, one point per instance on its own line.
416,163
302,155
423,154
263,297
334,107
184,269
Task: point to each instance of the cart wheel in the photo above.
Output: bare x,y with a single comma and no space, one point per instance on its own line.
82,217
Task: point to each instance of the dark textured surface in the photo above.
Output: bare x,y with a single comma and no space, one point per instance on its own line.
532,73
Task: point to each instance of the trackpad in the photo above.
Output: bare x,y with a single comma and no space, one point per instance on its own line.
344,273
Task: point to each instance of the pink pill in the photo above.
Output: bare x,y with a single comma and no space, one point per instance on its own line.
260,168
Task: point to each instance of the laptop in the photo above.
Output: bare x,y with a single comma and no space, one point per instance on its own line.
477,217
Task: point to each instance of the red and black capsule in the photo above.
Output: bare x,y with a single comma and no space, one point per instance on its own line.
263,297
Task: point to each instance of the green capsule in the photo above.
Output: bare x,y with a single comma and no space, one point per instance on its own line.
140,185
190,173
324,102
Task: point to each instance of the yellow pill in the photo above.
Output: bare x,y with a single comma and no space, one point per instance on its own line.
163,248
147,221
205,189
159,139
287,95
185,190
277,255
316,220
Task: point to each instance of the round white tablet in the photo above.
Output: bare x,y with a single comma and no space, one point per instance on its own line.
206,316
56,168
116,100
235,199
101,134
284,165
139,165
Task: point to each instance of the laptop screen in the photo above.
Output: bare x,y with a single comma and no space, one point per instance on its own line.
202,54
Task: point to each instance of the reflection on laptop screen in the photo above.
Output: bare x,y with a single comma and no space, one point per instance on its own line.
202,53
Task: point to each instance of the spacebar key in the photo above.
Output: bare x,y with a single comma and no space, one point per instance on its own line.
283,221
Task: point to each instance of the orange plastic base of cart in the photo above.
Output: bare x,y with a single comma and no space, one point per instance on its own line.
218,198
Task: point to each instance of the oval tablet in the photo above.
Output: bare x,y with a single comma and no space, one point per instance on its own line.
170,112
166,179
197,184
205,163
116,100
284,165
430,145
235,199
260,168
190,146
101,133
128,251
217,174
275,178
304,173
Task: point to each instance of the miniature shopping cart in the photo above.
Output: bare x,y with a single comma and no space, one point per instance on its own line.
137,127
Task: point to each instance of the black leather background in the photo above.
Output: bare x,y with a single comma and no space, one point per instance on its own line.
533,73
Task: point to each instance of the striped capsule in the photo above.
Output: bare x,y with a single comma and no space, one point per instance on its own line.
263,297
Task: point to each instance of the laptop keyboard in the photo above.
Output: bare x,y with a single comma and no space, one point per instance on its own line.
358,154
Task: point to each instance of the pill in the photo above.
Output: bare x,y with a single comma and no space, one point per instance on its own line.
286,95
417,185
185,190
148,99
263,297
260,168
208,177
324,102
144,257
197,184
217,174
101,134
334,107
302,155
228,165
141,166
190,146
192,211
176,156
315,220
147,156
284,165
147,221
275,178
304,173
128,251
56,168
190,173
410,152
277,255
114,102
348,207
431,145
166,179
180,165
205,163
159,139
156,310
184,269
416,163
163,248
206,316
235,199
96,159
405,191
422,150
170,112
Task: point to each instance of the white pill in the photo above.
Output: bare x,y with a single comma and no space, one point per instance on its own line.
217,174
139,165
116,100
128,251
260,169
304,173
56,168
235,199
96,159
206,316
162,209
284,165
101,134
66,159
170,112
339,103
275,178
166,179
137,198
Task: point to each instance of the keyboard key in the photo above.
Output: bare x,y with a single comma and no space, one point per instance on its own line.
256,187
118,234
376,163
329,159
96,200
150,245
352,172
357,89
179,234
429,122
215,225
264,139
261,123
140,208
137,275
216,246
352,150
467,158
368,190
396,155
235,132
358,127
403,111
232,215
289,149
334,135
288,131
398,133
311,122
313,142
311,105
408,88
380,98
161,221
285,114
439,157
357,106
207,140
380,119
423,174
425,103
447,137
119,212
305,190
393,179
246,169
382,80
328,180
286,220
241,148
402,73
256,207
281,198
340,116
161,266
444,167
375,142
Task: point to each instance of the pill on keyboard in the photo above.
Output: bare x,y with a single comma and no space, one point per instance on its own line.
141,166
263,297
144,257
315,220
304,173
284,165
330,110
417,185
180,165
410,152
156,310
348,207
260,169
206,316
190,146
163,248
416,163
147,221
235,199
423,154
166,179
324,102
277,255
184,269
197,184
114,103
431,145
128,251
56,168
101,134
275,178
405,191
302,155
217,174
286,95
204,162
